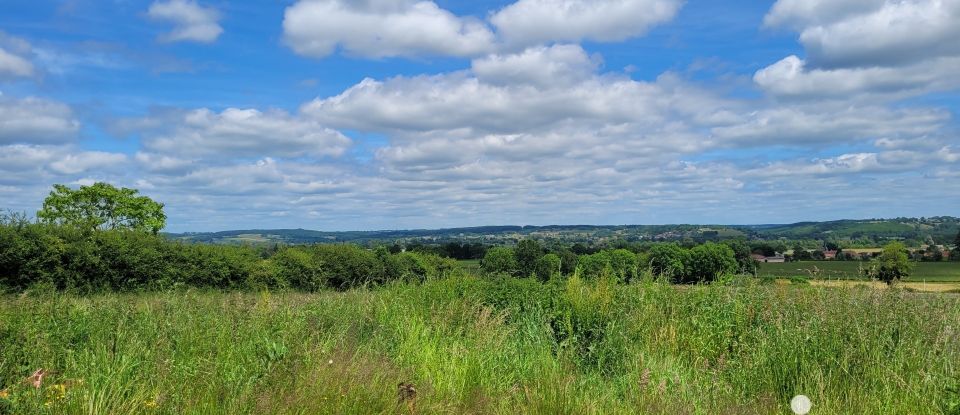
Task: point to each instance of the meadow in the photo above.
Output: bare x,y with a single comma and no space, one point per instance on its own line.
484,345
849,270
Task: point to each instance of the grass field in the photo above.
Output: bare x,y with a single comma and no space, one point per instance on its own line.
922,271
477,346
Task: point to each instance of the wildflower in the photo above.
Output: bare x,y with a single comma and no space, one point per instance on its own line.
4,394
330,362
150,403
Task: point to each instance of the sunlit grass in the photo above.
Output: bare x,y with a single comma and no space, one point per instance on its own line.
477,346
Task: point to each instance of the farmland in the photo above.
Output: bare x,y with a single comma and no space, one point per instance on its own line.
849,270
481,345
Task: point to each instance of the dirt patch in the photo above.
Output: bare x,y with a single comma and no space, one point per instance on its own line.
932,287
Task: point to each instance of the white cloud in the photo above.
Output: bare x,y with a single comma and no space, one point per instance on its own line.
192,22
14,57
541,66
87,160
26,164
241,133
533,22
13,65
867,47
790,77
872,33
382,28
36,121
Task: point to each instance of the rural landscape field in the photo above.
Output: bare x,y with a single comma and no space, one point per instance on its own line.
480,207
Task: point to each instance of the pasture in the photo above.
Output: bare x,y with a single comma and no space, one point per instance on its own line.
849,270
483,346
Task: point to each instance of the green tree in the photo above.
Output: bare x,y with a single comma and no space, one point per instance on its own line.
955,255
527,254
499,260
892,264
667,259
709,261
745,262
102,206
568,262
624,264
595,265
547,266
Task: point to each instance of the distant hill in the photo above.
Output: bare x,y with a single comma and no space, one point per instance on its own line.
941,229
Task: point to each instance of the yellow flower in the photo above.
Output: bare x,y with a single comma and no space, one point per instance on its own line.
4,394
150,403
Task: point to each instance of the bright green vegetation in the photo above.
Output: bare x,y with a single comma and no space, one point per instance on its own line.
473,345
922,271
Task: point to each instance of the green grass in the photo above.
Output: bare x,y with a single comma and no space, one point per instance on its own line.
922,271
470,265
478,346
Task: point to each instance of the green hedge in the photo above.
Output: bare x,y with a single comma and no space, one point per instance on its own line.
67,258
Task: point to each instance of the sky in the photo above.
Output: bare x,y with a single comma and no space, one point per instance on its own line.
396,114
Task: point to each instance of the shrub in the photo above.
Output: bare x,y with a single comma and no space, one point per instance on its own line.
707,262
499,260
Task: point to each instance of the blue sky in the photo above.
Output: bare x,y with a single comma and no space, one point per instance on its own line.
375,114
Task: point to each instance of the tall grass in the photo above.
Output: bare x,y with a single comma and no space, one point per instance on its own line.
485,346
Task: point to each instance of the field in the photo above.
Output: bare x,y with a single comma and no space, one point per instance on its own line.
845,270
470,345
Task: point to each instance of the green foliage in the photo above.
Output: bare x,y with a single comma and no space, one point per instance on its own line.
594,266
955,254
668,260
709,261
623,264
527,253
69,258
742,253
500,260
547,266
484,346
102,206
893,264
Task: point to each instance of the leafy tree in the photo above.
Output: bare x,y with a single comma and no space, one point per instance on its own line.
499,260
102,206
527,254
594,265
708,261
892,264
568,262
547,266
745,262
956,248
623,263
668,260
801,254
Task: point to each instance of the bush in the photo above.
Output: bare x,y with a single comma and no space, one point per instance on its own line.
499,260
709,261
69,258
668,260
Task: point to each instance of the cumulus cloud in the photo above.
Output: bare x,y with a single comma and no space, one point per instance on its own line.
240,133
872,47
192,22
532,22
542,66
382,28
791,77
36,121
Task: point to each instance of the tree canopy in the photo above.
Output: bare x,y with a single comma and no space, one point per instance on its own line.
102,206
892,264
